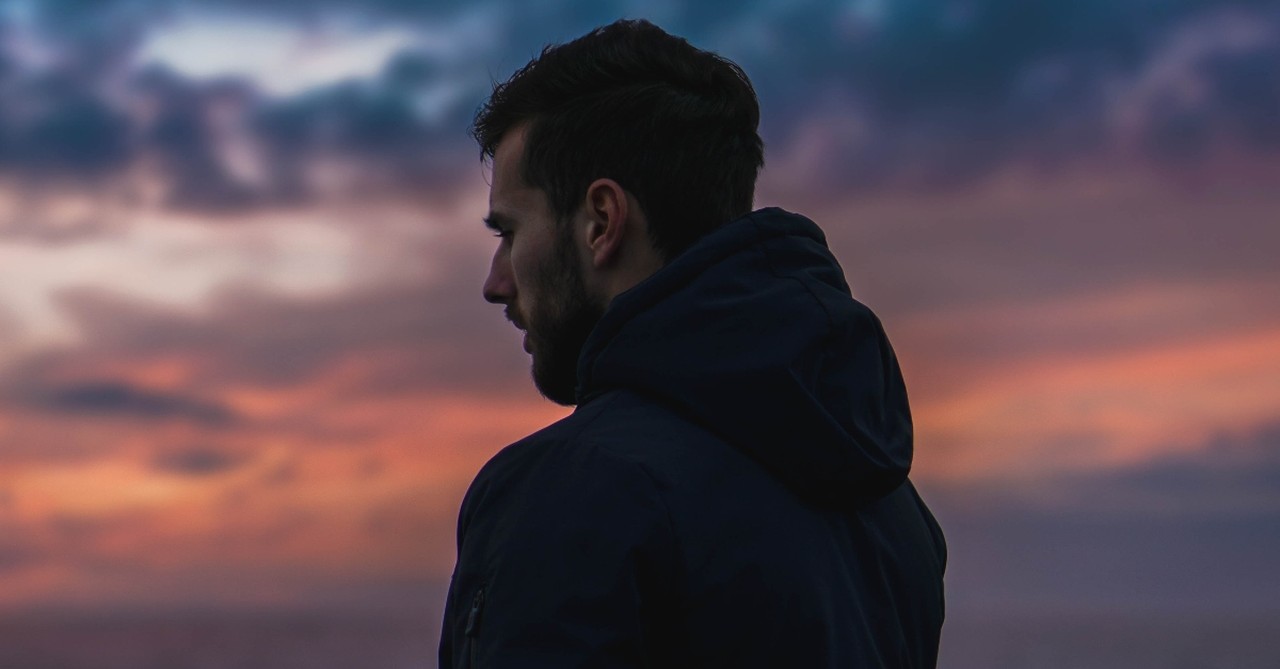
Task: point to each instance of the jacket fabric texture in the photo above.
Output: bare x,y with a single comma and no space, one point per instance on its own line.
731,490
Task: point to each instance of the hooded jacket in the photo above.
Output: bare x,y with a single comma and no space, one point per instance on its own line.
731,490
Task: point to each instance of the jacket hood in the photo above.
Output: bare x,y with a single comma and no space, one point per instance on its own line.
753,334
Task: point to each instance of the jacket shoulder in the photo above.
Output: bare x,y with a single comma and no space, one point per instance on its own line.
568,545
576,463
676,451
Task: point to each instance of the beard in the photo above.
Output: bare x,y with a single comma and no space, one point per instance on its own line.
563,320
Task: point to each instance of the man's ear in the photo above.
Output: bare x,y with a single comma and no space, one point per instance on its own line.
608,216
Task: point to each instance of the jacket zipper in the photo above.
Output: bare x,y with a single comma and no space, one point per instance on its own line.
473,624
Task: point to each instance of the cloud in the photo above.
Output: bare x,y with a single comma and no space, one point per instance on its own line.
121,399
16,555
400,135
76,134
135,128
179,133
1232,472
197,461
942,93
11,327
283,58
405,336
953,92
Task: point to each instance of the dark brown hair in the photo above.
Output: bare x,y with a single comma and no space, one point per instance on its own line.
674,125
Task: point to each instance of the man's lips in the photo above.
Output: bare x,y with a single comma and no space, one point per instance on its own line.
521,327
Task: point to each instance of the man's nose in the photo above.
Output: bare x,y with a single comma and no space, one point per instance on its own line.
499,287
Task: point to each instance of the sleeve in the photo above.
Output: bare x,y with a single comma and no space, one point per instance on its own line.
586,579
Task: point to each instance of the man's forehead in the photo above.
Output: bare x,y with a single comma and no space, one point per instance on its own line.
507,155
508,191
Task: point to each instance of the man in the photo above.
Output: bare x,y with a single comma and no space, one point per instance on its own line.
731,489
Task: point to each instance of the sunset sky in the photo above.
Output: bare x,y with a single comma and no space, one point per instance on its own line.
245,364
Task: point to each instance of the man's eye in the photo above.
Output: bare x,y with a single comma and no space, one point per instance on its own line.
502,234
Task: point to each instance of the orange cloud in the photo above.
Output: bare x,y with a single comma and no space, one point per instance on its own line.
378,506
1098,410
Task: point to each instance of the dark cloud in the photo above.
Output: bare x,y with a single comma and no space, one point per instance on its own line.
1241,104
58,119
73,133
945,92
116,398
378,126
1233,471
951,91
93,119
1246,93
178,133
196,461
17,557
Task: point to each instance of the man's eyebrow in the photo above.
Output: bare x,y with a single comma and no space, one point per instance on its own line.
496,221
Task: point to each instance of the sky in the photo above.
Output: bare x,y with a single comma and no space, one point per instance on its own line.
245,364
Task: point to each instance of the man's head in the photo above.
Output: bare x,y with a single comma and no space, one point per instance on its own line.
674,125
611,155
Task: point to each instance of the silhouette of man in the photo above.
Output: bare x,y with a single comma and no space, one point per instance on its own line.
731,489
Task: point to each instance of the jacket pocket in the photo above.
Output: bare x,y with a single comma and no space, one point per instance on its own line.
472,630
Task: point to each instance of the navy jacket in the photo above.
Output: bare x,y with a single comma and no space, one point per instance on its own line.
731,490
